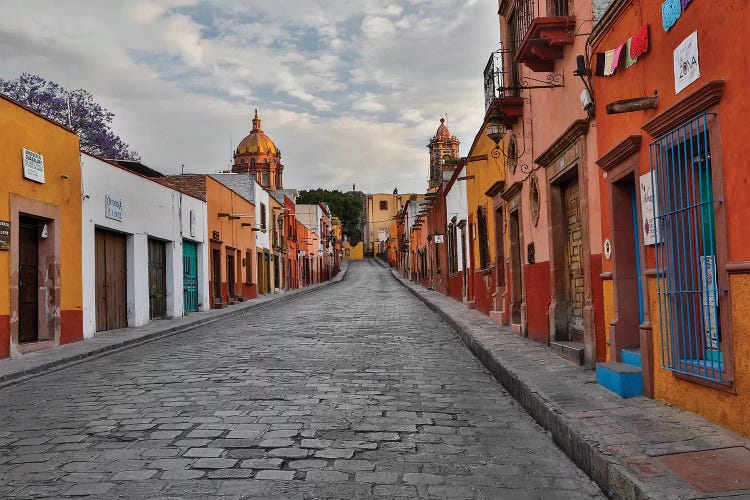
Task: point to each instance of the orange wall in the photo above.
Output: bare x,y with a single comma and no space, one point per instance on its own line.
721,41
20,128
220,198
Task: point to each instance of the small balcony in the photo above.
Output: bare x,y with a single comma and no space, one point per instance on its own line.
543,28
502,100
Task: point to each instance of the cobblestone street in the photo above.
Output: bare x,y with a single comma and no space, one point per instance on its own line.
354,391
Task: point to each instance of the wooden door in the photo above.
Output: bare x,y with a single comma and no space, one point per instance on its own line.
110,281
574,260
157,279
216,273
190,276
230,274
28,280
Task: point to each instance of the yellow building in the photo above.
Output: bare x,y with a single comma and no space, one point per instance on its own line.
40,232
485,174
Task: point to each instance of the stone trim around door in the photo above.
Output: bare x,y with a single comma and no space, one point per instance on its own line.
49,262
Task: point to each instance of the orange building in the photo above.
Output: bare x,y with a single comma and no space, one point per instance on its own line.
231,232
672,170
40,232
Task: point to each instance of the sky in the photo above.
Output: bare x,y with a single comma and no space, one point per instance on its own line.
349,91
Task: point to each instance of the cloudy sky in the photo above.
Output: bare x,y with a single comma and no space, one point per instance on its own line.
349,90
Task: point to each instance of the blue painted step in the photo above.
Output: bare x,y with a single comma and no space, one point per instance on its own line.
631,357
624,380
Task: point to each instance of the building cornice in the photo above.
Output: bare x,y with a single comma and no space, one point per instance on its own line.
698,102
495,188
628,147
567,139
512,191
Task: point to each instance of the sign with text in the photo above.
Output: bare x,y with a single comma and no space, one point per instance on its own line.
113,208
193,224
4,235
383,234
438,238
649,209
33,166
686,64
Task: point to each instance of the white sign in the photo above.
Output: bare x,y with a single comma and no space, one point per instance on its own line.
113,208
33,166
193,224
649,209
302,253
710,300
438,238
383,234
686,65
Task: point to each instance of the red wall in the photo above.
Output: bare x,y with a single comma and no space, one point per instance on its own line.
4,336
537,283
484,287
597,296
456,285
71,326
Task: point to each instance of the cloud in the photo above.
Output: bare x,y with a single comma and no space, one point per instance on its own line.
350,92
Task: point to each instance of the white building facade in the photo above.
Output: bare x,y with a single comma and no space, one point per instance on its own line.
144,249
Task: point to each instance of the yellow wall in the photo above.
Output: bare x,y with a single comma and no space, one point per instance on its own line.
609,310
356,252
59,147
726,409
485,171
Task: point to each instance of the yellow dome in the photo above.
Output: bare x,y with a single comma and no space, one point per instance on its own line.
257,141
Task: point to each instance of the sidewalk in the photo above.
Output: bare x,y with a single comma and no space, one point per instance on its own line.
619,443
15,370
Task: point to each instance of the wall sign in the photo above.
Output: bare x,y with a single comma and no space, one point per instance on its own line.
4,235
438,238
302,253
33,166
193,224
686,64
649,209
113,208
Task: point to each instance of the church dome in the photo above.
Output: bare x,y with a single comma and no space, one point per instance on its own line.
442,134
257,141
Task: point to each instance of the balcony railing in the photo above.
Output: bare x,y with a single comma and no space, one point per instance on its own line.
499,78
540,29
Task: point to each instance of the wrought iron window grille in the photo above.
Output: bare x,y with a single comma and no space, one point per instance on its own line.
688,290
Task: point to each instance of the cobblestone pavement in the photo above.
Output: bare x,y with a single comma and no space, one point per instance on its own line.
355,391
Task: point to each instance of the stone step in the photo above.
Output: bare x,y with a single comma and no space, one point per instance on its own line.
631,356
570,350
624,380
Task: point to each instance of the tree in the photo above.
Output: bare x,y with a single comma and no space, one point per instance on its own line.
73,108
347,207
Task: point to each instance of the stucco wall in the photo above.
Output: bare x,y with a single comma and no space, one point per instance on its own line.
149,210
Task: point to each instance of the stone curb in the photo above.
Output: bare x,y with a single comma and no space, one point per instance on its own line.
607,470
95,352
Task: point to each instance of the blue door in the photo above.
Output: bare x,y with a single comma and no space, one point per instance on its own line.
190,276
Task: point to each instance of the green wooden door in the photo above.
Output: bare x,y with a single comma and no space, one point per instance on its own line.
190,276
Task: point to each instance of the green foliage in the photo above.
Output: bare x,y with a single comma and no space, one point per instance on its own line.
348,207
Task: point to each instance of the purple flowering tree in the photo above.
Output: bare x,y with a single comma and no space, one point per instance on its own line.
76,109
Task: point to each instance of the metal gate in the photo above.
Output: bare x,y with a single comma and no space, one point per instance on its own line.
190,276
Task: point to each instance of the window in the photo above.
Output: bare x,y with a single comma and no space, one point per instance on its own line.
383,204
534,200
484,251
265,179
263,216
688,290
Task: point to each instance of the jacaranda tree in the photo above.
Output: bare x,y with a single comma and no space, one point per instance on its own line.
76,109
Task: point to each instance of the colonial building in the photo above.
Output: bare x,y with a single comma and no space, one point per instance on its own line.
258,155
672,168
443,148
40,232
147,245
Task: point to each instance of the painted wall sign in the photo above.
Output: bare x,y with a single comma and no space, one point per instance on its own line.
686,63
4,235
113,208
33,166
649,207
193,224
